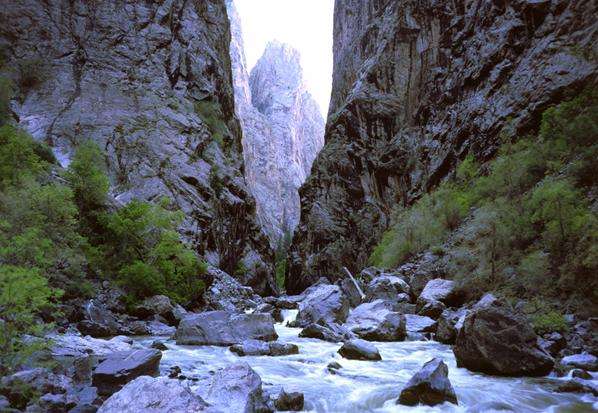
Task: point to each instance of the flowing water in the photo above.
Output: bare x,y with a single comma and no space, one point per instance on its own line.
366,386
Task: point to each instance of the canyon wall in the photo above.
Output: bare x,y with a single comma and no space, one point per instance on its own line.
417,85
283,130
151,83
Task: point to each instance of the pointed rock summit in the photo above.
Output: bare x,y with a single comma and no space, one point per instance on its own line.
283,129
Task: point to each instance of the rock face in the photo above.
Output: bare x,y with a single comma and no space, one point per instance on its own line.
150,82
495,340
417,85
429,386
219,328
157,395
283,129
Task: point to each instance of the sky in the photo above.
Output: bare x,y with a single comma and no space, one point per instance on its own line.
304,24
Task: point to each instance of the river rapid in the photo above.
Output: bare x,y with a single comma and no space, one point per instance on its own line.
366,386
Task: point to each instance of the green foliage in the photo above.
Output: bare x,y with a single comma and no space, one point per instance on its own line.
532,232
141,245
20,158
548,322
23,293
6,94
87,177
211,114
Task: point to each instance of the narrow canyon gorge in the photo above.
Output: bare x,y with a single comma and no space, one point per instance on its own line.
180,232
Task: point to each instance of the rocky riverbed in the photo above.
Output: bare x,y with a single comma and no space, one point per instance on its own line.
397,348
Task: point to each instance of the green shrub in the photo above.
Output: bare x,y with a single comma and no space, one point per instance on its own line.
211,114
23,293
549,322
6,94
87,177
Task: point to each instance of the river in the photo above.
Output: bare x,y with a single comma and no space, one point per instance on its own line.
366,386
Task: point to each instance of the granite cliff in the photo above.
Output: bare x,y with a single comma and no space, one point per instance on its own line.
151,84
418,85
283,129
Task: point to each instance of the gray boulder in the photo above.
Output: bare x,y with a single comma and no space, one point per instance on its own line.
227,294
429,386
221,328
582,361
156,305
154,395
495,340
331,332
120,368
376,321
323,302
358,349
418,324
236,388
99,321
578,385
439,290
432,309
286,402
270,309
448,325
351,292
70,345
157,328
387,287
264,348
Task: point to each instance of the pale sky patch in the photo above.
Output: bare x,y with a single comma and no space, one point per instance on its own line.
304,24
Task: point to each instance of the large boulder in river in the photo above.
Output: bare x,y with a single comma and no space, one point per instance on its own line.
331,332
264,348
376,321
120,368
221,328
387,287
322,302
495,340
154,395
583,361
449,324
429,386
439,290
99,321
227,294
358,349
236,388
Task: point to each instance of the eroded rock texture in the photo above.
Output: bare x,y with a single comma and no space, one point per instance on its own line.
283,129
150,82
417,85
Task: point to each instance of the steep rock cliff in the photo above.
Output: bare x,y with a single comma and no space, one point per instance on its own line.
283,129
417,85
150,82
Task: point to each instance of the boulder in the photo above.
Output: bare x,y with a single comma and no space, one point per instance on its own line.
429,386
17,387
350,291
419,324
358,349
272,310
236,388
227,294
449,323
157,328
264,348
289,402
154,395
159,345
581,374
387,287
323,302
432,309
577,385
70,345
495,340
120,368
331,332
552,343
288,302
138,328
376,321
156,305
438,289
99,321
587,362
221,328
